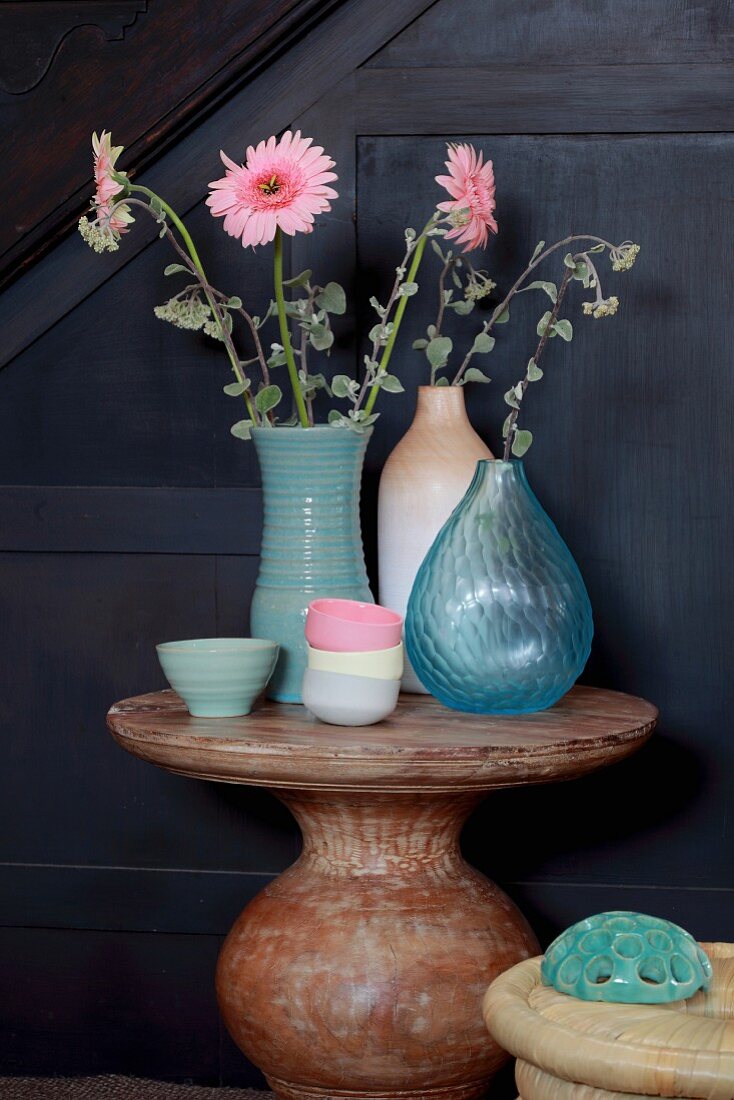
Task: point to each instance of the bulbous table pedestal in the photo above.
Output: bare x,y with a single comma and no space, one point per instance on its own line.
360,971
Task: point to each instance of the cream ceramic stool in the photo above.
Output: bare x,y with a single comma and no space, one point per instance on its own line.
568,1049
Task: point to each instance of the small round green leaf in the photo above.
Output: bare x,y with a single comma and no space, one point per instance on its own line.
268,398
241,429
320,337
439,350
473,374
483,343
390,382
340,385
333,299
299,280
521,443
543,324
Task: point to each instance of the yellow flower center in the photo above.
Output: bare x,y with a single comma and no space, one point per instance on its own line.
269,187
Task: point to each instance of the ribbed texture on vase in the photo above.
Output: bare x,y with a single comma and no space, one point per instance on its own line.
311,484
499,620
311,541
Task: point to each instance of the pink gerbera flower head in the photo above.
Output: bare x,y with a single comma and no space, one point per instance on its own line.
471,185
109,218
282,185
105,158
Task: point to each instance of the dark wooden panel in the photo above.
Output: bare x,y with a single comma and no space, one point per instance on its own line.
116,520
635,471
542,32
101,1002
111,395
125,899
552,907
315,63
553,99
78,632
206,902
60,60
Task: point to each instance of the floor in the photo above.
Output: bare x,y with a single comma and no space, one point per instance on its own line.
114,1088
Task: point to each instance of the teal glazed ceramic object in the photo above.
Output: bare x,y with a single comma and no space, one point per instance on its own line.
626,958
499,620
218,677
311,543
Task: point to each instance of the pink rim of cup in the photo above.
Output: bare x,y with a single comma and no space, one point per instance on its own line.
348,626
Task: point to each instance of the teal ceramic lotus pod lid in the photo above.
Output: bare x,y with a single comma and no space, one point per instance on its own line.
626,958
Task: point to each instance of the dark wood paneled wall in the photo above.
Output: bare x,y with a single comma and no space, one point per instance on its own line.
128,514
147,69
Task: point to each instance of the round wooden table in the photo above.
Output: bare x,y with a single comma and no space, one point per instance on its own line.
360,971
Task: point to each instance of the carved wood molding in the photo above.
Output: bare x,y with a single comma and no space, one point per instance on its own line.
306,67
31,34
69,67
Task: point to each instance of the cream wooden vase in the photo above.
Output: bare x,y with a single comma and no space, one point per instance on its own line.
424,479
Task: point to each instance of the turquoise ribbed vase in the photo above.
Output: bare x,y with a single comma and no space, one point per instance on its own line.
311,543
499,621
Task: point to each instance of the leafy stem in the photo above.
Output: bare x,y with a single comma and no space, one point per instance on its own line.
416,248
195,265
445,271
535,262
511,422
284,333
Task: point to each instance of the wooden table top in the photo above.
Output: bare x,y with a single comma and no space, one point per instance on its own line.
423,746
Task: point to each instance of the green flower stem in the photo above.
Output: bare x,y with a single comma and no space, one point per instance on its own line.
191,249
284,334
400,310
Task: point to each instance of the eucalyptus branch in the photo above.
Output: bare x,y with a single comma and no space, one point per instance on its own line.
511,422
377,341
535,262
193,264
250,322
400,310
445,271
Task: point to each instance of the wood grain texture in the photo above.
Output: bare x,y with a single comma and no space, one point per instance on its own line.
60,61
422,746
632,459
359,971
552,99
544,32
129,520
314,63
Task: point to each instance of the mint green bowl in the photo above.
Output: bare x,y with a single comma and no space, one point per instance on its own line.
218,677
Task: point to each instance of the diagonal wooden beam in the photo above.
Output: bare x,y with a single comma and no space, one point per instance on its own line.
319,61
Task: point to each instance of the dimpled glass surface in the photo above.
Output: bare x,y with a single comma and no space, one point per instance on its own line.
499,620
626,958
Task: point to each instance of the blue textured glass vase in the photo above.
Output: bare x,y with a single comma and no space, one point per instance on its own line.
311,542
499,620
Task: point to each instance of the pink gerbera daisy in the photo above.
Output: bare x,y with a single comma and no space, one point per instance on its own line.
282,185
105,157
471,186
